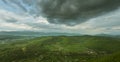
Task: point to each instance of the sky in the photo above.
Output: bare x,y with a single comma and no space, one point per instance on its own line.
71,16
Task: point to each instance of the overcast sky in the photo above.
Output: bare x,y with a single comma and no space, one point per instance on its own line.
74,16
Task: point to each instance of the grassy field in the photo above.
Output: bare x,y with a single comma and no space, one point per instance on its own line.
61,49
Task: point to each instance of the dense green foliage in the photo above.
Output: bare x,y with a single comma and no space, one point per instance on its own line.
62,49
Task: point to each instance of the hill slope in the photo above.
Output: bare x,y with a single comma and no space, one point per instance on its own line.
115,57
59,49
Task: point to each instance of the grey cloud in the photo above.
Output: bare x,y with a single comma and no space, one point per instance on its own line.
11,20
109,20
69,12
76,11
45,26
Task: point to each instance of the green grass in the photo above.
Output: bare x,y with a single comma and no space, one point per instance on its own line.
61,49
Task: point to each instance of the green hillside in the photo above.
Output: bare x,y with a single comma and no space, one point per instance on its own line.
115,57
61,49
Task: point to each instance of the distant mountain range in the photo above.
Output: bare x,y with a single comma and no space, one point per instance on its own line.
32,33
108,35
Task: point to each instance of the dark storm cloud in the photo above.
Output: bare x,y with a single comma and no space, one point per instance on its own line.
69,12
72,12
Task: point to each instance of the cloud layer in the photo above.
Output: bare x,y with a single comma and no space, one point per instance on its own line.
69,12
75,16
72,12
